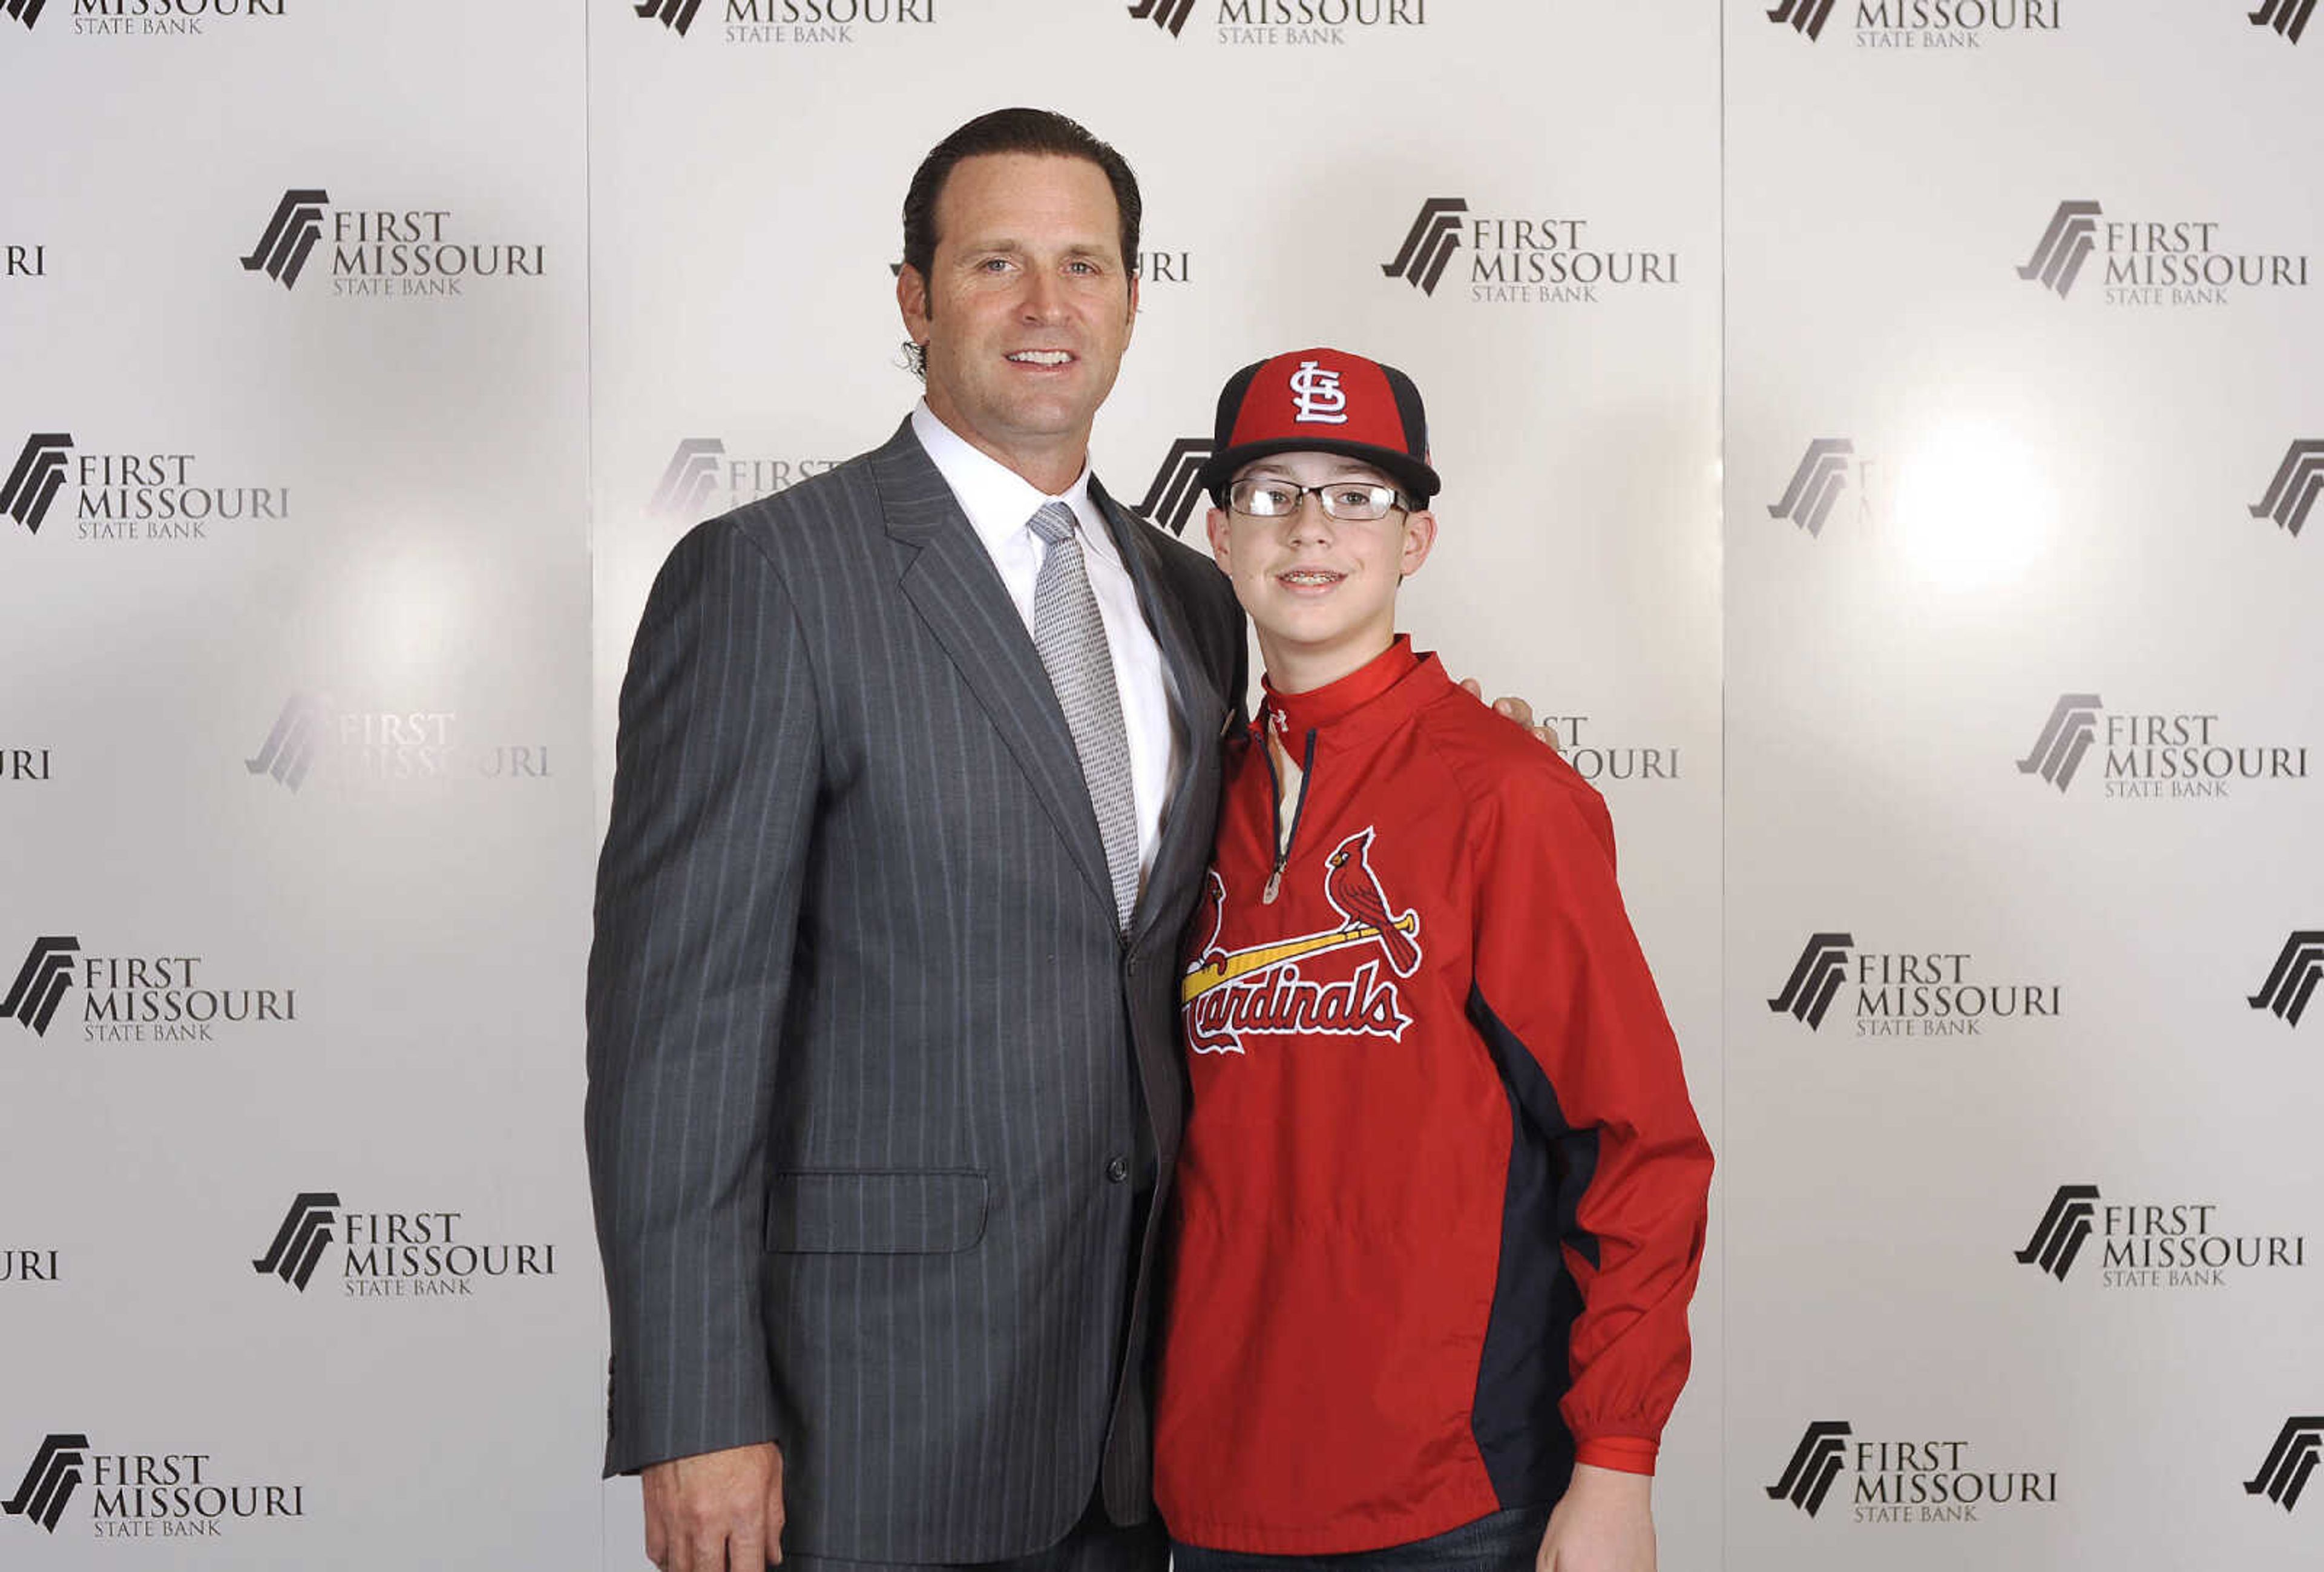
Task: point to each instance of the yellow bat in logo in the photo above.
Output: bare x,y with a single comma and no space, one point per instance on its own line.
1243,962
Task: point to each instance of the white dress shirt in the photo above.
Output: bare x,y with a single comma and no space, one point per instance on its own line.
1000,505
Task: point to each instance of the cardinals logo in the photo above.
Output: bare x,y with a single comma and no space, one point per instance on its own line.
1259,991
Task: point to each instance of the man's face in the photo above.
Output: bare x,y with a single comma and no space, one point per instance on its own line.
1321,591
1027,309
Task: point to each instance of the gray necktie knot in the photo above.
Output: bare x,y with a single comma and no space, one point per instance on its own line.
1054,522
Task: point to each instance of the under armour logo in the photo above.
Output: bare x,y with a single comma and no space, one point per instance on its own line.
1318,396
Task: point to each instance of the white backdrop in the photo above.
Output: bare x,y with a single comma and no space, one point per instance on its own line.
1772,476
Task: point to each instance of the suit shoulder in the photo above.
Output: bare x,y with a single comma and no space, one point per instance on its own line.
846,489
802,532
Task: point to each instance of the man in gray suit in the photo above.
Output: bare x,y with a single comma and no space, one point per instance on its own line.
916,782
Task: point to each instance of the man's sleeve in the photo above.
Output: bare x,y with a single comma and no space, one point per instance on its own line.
698,905
1564,997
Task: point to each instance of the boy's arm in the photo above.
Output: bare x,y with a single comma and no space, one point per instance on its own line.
1564,999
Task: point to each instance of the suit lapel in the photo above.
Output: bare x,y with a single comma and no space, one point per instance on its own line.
1190,823
952,583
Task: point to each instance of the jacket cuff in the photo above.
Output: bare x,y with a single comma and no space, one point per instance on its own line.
1622,1453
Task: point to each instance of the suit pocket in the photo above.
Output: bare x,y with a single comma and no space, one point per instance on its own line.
876,1212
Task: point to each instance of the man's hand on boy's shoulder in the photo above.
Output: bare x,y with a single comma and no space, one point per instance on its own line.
1604,1523
1517,709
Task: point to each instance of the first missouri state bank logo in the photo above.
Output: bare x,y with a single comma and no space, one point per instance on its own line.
400,1254
1521,261
1921,24
2066,736
376,252
1809,991
313,734
1818,483
2292,983
701,479
109,492
41,983
1903,1481
136,998
2067,243
1169,16
1429,245
1296,23
145,1496
1177,488
2284,1475
678,16
2154,262
48,1486
788,22
38,476
2152,1244
2154,755
1815,1462
290,237
299,1242
2292,494
1907,992
2289,18
1230,997
143,18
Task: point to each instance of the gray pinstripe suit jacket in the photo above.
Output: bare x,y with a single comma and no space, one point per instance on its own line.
863,1034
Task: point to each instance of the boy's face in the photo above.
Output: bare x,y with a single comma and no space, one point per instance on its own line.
1321,591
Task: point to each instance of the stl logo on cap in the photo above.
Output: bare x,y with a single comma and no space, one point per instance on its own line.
1318,394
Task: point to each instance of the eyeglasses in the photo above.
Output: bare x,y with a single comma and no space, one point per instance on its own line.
1351,502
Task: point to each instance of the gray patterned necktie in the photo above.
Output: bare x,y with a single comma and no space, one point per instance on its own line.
1071,637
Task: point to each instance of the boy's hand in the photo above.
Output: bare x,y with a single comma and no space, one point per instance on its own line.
1517,709
1606,1524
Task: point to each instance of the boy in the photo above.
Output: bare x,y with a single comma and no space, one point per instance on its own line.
1441,1202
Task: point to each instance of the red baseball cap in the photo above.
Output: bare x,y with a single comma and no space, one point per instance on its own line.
1322,400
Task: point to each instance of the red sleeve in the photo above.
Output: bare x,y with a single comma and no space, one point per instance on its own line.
1562,984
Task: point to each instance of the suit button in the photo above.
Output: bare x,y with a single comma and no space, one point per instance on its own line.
1118,1171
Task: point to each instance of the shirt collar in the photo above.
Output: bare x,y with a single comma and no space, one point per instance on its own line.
1000,502
1296,714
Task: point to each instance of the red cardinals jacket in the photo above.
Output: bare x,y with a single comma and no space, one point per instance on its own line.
1441,1203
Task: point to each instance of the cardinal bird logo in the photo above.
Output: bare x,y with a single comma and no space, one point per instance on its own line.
1354,891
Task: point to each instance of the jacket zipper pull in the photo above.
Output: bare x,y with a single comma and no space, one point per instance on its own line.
1299,810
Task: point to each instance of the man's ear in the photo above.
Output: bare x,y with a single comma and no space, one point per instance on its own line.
1216,523
912,302
1420,538
1130,328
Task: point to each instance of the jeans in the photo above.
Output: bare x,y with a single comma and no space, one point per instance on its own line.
1505,1541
